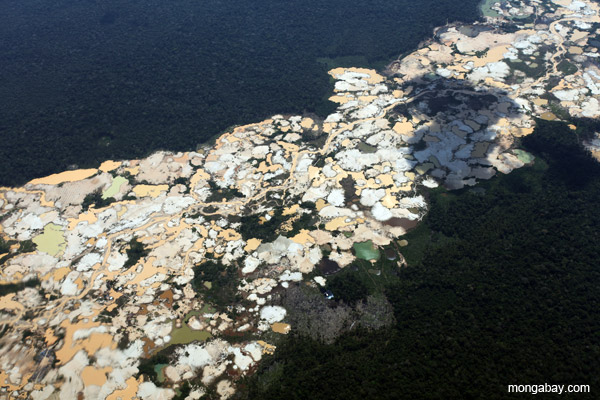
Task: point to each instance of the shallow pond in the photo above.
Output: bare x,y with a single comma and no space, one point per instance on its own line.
366,251
51,241
185,334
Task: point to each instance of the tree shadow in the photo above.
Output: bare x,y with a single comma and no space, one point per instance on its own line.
465,132
459,132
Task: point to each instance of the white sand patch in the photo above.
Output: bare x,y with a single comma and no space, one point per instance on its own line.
242,361
336,197
260,152
315,193
496,70
88,261
194,355
33,222
158,328
304,162
69,287
429,182
354,160
225,389
444,73
72,373
413,202
576,5
333,212
291,276
42,394
343,258
116,261
282,246
174,205
567,95
272,314
85,333
590,108
381,213
250,265
367,112
590,83
149,391
255,350
259,286
320,281
368,197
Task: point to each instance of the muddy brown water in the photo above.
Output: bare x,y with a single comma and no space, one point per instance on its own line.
405,223
390,254
328,267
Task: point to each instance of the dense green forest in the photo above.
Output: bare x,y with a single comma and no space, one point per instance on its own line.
135,251
83,81
503,289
